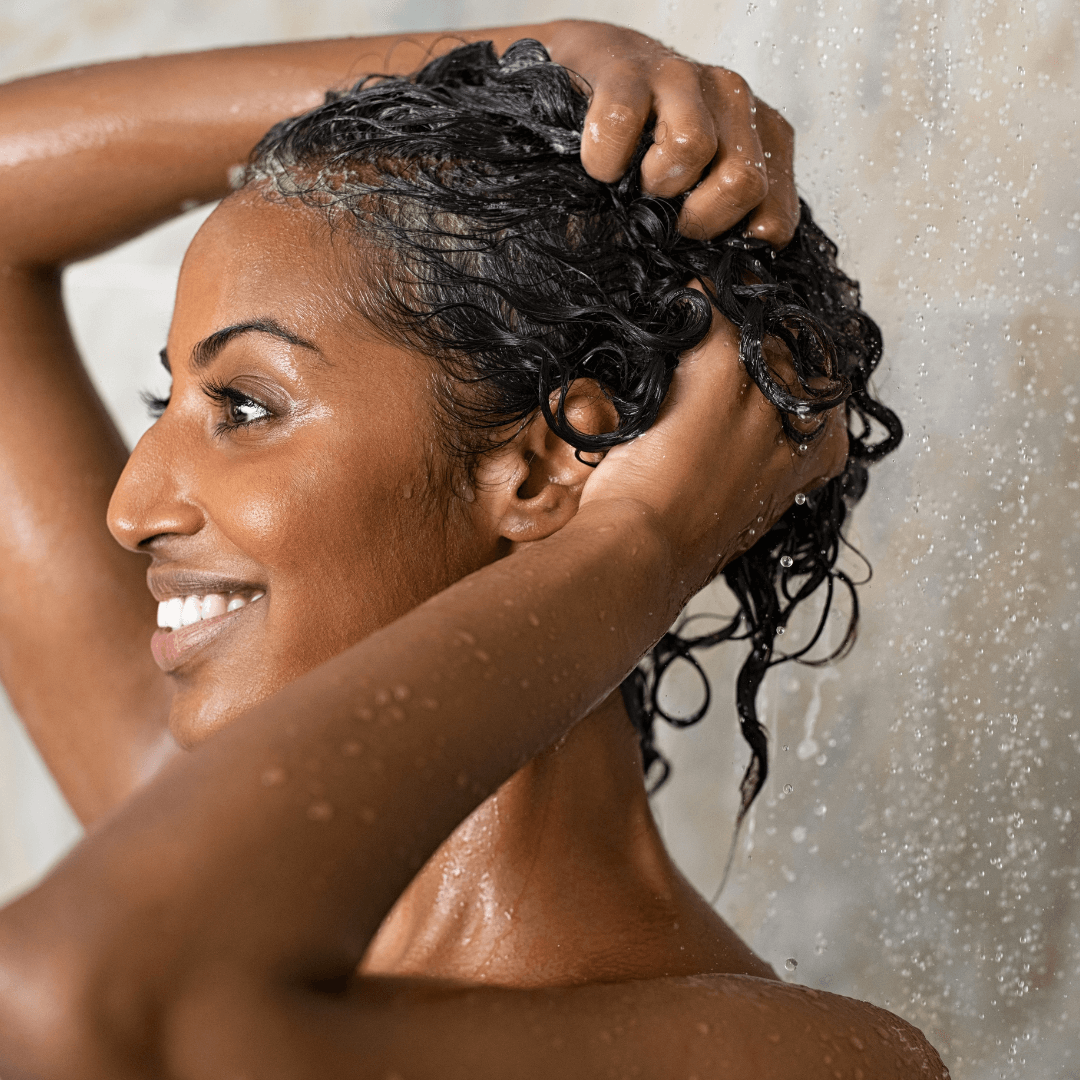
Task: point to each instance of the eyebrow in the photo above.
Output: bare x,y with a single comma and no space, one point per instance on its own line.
205,351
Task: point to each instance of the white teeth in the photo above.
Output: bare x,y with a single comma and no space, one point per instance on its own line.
173,608
191,611
213,604
187,610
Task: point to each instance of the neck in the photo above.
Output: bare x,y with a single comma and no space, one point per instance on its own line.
560,877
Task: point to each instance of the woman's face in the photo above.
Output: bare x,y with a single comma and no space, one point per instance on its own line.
293,496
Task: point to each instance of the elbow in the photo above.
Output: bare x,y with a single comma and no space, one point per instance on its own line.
60,1014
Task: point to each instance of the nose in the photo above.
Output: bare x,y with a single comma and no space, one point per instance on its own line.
154,496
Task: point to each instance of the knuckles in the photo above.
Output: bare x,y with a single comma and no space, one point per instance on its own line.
688,147
741,183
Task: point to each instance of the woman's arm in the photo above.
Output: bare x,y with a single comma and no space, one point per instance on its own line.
239,891
94,156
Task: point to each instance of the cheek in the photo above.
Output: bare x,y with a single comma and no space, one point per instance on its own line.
349,535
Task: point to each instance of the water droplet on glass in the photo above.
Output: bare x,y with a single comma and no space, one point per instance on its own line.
788,789
791,963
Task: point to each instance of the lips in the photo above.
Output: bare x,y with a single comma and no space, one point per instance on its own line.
190,622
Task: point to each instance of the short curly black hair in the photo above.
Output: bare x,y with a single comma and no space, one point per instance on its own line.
489,248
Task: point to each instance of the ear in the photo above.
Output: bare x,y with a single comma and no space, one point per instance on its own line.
531,487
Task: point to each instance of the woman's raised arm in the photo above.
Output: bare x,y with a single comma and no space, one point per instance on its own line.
244,884
94,156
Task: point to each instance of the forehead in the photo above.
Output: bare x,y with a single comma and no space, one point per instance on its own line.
253,255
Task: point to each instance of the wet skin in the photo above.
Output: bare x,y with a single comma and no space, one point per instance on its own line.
325,488
358,736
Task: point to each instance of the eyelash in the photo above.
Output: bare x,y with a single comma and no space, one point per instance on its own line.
228,397
222,395
155,405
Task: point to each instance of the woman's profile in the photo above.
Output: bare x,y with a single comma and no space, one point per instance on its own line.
478,376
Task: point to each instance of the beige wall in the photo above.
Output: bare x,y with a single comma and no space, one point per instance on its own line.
918,843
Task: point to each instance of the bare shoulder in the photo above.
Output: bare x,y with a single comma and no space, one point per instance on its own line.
710,1027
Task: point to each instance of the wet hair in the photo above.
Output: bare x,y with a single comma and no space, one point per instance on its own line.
485,245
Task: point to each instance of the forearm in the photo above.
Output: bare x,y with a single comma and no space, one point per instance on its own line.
93,156
278,848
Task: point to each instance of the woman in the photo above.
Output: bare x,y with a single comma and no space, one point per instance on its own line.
399,603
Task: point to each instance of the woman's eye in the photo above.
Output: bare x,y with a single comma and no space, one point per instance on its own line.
243,410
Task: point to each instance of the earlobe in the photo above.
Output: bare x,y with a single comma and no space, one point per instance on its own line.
539,476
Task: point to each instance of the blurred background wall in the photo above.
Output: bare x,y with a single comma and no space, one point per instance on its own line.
917,844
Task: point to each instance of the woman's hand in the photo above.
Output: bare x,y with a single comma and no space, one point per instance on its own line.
709,127
716,470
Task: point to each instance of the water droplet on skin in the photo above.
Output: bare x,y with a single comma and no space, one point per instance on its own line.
406,491
401,692
482,656
786,561
367,815
856,1042
703,1028
803,448
791,963
800,499
320,811
351,749
363,712
534,618
466,637
273,777
429,703
774,1037
779,631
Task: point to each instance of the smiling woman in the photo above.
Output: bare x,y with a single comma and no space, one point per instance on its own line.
404,552
271,474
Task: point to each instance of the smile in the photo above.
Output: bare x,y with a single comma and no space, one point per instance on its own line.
187,623
181,611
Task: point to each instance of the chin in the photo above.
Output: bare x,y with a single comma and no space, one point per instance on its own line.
192,723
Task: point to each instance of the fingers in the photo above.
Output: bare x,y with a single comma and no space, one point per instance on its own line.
686,136
707,123
777,216
738,180
617,115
